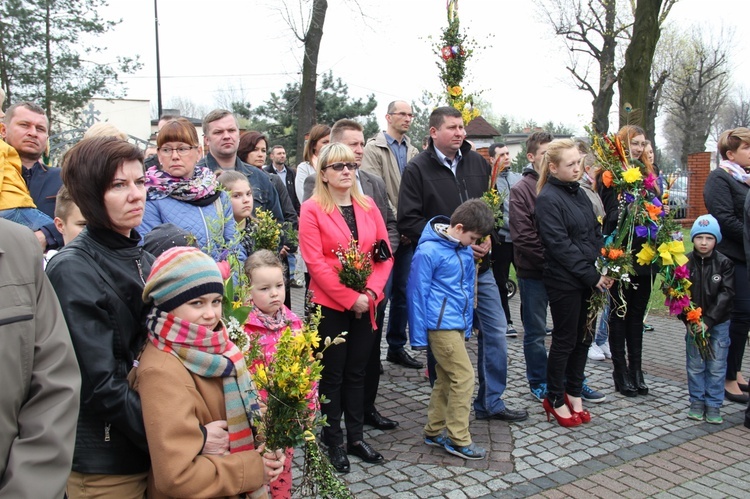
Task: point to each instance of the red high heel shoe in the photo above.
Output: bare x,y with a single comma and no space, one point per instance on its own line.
584,414
573,420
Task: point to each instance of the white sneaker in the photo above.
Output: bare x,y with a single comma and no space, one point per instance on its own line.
605,350
595,353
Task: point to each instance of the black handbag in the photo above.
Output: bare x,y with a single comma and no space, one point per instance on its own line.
381,252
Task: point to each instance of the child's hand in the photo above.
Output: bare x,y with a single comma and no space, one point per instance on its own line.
481,249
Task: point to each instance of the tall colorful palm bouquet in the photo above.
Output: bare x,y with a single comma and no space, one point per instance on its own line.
492,196
642,217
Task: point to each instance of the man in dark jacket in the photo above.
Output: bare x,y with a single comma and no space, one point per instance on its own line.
287,175
436,182
26,129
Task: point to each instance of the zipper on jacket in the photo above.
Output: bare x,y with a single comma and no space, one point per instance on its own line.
107,426
463,291
442,311
205,226
140,270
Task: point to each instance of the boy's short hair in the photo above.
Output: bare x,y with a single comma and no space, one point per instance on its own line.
731,140
475,216
63,204
536,139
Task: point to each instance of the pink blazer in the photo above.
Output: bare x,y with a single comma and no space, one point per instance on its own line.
321,233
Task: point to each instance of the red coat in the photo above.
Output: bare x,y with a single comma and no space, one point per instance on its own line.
320,235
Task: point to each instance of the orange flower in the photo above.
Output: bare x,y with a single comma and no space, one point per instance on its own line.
604,251
607,178
615,253
653,211
694,315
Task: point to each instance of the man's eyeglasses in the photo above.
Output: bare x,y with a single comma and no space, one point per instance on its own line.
403,115
340,166
182,150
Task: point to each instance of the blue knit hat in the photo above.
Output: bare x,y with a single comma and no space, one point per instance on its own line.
706,224
179,275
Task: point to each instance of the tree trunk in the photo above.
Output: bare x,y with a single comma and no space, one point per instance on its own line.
636,73
309,73
652,107
48,65
602,103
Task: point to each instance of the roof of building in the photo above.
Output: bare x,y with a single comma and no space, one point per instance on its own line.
479,127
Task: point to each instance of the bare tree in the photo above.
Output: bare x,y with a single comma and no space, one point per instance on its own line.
187,107
695,92
592,29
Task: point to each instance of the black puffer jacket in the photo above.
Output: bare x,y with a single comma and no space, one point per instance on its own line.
429,188
713,286
106,326
725,199
571,235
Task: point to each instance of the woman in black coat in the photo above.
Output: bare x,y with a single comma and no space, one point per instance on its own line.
572,240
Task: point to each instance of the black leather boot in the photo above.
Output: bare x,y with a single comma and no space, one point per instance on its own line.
636,378
623,384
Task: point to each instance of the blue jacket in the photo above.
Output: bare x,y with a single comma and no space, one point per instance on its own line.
440,290
200,221
43,183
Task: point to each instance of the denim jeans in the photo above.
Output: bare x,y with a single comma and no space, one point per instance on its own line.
706,378
602,333
30,217
397,316
291,260
534,317
492,357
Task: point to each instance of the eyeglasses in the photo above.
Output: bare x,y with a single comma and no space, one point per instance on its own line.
182,150
340,166
403,115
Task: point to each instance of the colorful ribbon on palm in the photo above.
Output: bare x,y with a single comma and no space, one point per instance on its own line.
642,216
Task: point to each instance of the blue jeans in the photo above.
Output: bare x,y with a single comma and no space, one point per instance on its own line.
706,378
492,357
291,261
534,317
602,333
397,316
30,217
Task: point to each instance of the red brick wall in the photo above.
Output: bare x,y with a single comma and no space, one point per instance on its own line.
699,166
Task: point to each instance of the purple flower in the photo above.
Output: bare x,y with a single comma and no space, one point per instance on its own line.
629,198
681,272
676,305
646,231
656,202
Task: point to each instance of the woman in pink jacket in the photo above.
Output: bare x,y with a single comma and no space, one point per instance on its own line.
337,213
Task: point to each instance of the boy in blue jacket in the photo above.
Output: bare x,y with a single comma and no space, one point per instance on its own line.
441,304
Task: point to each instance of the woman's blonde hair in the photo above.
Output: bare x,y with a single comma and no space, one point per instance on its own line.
553,155
333,153
103,129
229,177
259,259
649,165
731,140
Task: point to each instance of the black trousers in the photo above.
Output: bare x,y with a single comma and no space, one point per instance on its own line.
502,257
628,331
372,371
343,378
739,322
566,361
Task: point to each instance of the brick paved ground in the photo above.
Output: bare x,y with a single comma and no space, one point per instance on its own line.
633,447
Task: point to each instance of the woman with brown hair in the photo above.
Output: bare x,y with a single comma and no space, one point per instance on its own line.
320,135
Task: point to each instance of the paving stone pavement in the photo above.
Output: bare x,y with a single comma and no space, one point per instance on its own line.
634,447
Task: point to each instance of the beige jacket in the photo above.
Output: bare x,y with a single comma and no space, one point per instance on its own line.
41,383
379,160
175,404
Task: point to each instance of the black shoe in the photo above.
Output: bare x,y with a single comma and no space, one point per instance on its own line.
744,387
337,456
295,283
374,419
508,415
381,367
648,327
623,384
402,358
747,423
365,452
548,331
636,377
740,399
511,332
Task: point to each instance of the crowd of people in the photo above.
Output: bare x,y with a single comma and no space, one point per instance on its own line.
121,367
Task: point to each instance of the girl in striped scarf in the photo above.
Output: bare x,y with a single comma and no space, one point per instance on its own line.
191,375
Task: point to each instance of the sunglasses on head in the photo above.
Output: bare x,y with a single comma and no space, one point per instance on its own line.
340,166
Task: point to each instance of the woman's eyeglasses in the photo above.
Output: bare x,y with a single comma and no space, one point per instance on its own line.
340,166
182,150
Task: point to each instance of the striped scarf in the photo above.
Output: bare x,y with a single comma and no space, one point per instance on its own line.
211,354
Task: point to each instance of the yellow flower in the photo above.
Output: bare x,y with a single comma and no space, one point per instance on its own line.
646,255
632,175
455,91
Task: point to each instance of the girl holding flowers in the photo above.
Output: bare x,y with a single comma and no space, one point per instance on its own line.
629,302
264,326
339,220
572,241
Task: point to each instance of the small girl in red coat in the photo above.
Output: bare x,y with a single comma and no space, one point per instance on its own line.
270,318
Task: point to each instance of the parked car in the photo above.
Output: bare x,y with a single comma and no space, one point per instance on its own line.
678,197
